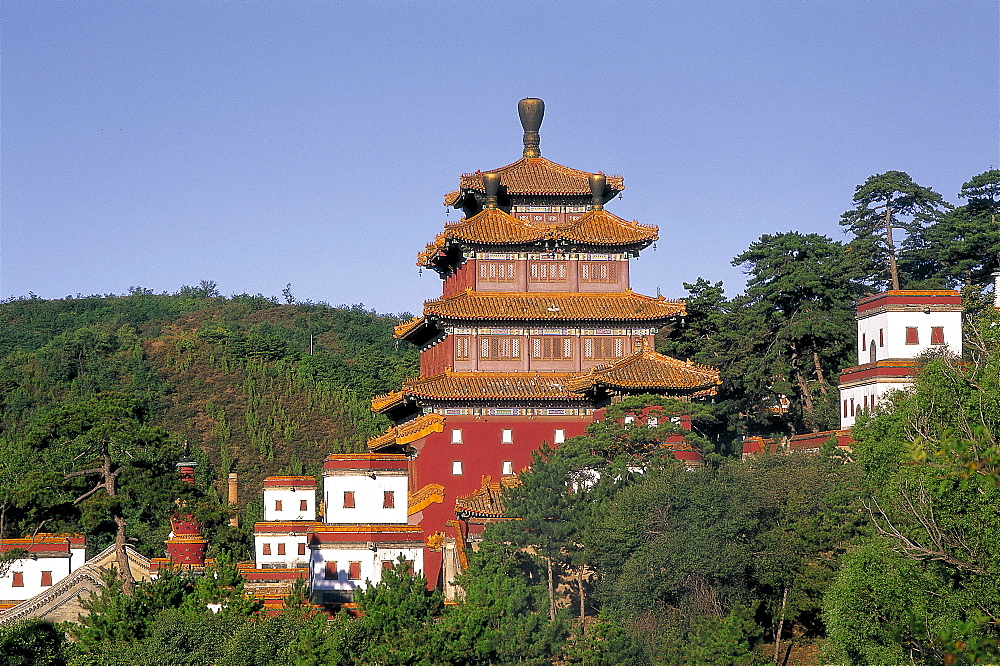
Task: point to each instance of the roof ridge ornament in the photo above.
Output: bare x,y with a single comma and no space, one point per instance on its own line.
530,110
491,183
598,181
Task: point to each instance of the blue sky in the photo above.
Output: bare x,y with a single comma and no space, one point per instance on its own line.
259,144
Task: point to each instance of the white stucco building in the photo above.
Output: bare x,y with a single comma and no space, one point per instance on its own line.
49,559
362,531
894,328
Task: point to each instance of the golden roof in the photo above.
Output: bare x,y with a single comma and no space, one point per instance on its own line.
450,385
534,176
600,227
408,432
404,329
645,369
487,501
493,226
554,306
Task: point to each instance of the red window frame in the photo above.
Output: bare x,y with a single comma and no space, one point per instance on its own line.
267,549
499,347
599,272
548,271
388,499
497,271
303,505
330,571
912,335
552,348
348,499
354,571
18,580
302,549
281,549
46,578
937,335
277,505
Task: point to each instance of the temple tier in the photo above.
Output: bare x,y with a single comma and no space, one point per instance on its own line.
535,332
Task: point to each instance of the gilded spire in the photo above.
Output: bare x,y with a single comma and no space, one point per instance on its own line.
597,181
491,183
531,110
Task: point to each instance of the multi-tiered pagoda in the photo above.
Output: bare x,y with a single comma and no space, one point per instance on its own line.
535,331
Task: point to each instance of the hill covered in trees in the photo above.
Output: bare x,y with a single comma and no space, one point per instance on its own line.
618,554
242,384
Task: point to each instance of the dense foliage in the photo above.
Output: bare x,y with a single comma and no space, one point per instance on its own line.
244,383
616,553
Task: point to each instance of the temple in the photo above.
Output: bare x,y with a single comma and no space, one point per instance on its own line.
535,332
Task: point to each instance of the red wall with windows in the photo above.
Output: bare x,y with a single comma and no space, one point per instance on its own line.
482,454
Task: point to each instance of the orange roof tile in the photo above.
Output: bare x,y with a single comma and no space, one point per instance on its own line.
600,227
408,432
535,175
646,369
495,227
402,330
487,501
383,402
555,306
451,385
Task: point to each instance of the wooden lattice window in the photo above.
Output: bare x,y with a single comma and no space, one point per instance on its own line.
497,271
603,272
603,347
552,348
462,348
547,271
494,347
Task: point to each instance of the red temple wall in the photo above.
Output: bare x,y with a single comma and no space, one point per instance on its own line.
482,454
467,275
434,359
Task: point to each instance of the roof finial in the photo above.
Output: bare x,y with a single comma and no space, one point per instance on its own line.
597,181
491,183
531,110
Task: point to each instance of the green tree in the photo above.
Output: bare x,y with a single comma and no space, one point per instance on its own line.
961,248
884,202
933,500
503,618
791,331
107,456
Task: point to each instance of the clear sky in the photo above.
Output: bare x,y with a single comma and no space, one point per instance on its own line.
258,144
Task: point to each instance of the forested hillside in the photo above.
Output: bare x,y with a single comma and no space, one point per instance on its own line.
617,554
244,384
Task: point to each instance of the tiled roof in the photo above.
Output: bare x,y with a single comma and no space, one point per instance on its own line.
647,370
603,228
492,226
408,432
555,306
418,501
535,175
451,385
487,501
382,402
